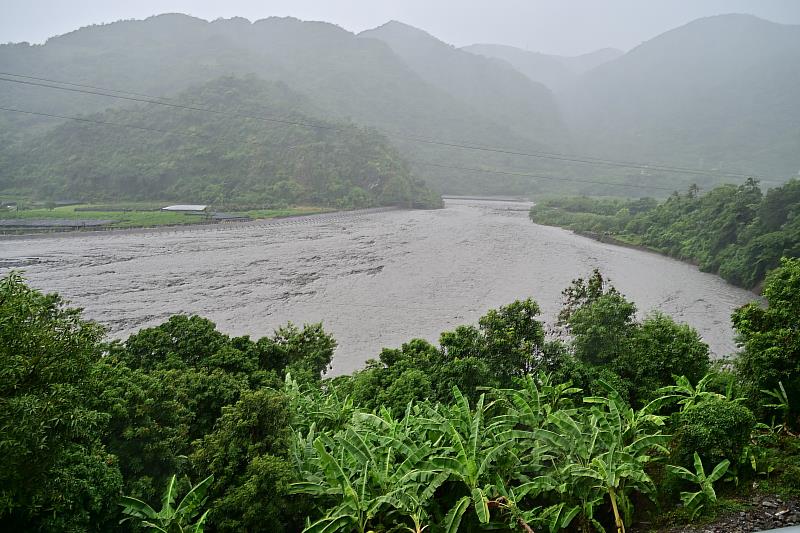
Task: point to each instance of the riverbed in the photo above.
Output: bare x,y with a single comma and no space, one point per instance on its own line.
374,279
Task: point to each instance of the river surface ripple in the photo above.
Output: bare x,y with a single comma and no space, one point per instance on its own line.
374,279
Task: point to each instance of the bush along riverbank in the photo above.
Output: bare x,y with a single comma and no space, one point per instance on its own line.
621,424
739,232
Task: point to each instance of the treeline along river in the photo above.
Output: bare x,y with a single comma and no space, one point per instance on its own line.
374,279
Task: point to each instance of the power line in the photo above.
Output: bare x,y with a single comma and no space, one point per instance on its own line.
158,100
451,167
539,176
99,122
552,155
142,95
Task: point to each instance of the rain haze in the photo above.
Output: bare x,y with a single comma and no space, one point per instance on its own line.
295,266
569,27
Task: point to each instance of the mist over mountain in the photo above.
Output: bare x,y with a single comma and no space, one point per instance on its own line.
718,93
492,88
555,72
345,76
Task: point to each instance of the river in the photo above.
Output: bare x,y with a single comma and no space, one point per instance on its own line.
374,279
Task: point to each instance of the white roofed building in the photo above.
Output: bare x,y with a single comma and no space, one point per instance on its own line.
187,208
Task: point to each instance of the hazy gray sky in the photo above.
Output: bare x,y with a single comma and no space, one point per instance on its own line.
552,26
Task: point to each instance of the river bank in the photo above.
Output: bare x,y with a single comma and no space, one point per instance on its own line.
375,278
739,233
194,226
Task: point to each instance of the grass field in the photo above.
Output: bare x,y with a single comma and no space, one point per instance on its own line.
141,214
288,212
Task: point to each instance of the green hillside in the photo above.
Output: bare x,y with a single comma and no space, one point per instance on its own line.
736,232
346,77
717,94
216,158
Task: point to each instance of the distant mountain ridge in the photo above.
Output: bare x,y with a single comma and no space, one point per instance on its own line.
716,94
555,72
493,88
348,77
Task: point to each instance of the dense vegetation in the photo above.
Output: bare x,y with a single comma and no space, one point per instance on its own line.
497,427
738,232
218,158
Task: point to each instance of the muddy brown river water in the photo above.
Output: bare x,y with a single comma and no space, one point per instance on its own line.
374,279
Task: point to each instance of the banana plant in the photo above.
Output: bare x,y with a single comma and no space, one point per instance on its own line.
356,505
374,467
780,402
689,395
383,471
695,501
616,472
624,440
171,519
506,500
471,446
311,405
534,402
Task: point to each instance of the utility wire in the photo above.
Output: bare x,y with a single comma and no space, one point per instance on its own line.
99,122
555,155
539,176
451,167
157,100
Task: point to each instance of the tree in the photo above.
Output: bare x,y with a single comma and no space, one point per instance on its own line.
247,453
305,353
180,342
770,338
149,427
657,350
513,339
602,328
55,473
582,292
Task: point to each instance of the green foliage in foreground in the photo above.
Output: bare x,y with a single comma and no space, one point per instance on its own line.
497,428
770,338
694,501
533,455
181,518
738,232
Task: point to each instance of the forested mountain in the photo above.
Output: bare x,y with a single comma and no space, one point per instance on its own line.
345,76
558,73
718,93
492,88
217,158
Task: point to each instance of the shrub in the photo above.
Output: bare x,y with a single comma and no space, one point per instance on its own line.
716,429
790,477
